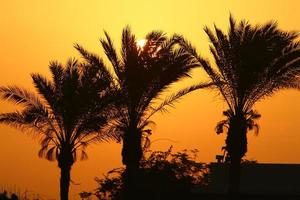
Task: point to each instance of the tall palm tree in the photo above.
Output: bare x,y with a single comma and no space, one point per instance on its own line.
143,74
67,114
251,63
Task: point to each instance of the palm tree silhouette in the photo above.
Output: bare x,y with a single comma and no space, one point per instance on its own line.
143,74
67,114
252,62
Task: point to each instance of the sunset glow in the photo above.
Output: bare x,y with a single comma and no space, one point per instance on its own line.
34,33
141,43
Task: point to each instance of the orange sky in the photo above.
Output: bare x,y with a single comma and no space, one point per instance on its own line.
33,32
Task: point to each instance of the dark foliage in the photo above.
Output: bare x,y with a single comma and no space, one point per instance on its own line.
4,196
163,175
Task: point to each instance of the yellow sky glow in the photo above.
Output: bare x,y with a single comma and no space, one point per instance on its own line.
34,32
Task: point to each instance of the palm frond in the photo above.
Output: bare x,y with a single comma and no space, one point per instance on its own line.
46,89
94,60
220,126
57,72
111,53
21,96
84,155
169,101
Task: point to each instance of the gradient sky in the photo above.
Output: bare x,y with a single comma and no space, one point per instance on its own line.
34,32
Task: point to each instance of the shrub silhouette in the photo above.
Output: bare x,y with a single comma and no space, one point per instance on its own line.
4,196
163,175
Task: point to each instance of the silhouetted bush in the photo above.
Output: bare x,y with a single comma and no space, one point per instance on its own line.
162,175
4,196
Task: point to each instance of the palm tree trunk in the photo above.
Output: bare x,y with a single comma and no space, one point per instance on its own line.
236,144
64,182
234,176
131,156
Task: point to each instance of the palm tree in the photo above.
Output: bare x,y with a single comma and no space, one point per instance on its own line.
67,114
143,74
251,63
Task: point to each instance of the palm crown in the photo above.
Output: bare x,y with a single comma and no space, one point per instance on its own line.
252,63
144,73
67,112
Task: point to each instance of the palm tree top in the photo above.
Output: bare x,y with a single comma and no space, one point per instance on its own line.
144,74
253,61
68,110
